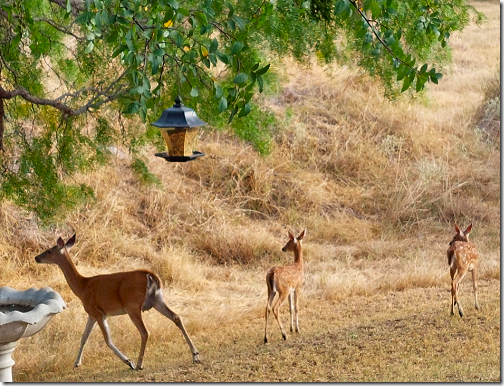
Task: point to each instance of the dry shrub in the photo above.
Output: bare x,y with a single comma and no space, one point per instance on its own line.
178,268
229,244
340,227
377,183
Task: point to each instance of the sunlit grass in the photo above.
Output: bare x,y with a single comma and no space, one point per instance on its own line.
379,185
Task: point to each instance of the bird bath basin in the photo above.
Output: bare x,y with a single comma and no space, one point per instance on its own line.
22,314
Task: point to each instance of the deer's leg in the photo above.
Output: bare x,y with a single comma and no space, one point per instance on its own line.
271,296
136,318
276,311
161,307
85,335
452,305
475,287
106,335
454,299
291,310
296,307
455,288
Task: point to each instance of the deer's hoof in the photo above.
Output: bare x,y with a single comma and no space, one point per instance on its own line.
130,364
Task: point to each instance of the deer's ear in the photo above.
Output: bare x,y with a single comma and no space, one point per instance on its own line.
60,243
70,242
457,229
291,236
302,234
468,230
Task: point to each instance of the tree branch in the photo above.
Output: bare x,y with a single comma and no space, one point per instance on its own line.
77,5
382,42
111,93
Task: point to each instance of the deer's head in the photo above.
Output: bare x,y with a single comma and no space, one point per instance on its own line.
461,235
293,241
54,254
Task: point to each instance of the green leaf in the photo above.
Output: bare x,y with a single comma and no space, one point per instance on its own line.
172,3
222,104
263,70
175,35
421,79
233,112
260,82
84,18
376,51
245,110
218,91
89,47
401,72
214,45
118,50
240,78
159,52
183,12
239,22
375,9
194,92
232,93
341,6
201,17
406,84
435,77
132,108
236,47
224,58
156,62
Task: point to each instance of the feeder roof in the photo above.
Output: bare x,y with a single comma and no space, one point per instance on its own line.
178,116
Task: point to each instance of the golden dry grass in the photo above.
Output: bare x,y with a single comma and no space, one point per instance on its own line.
378,184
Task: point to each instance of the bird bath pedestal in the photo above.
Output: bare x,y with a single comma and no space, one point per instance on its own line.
22,314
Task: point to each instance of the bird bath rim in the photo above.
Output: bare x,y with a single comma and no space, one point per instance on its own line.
34,309
22,314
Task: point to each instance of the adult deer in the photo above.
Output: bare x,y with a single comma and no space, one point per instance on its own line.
114,294
462,257
287,281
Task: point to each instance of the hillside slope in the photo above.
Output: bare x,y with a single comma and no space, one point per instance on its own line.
378,184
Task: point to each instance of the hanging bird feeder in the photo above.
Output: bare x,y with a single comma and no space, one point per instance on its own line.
179,128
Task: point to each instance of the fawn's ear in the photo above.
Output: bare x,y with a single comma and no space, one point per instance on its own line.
457,228
302,234
70,242
60,243
468,230
291,236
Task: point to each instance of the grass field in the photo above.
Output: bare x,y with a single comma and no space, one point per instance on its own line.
379,186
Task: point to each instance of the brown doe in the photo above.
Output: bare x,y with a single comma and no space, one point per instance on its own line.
114,294
462,257
287,281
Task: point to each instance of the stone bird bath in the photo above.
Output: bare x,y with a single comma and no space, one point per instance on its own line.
22,314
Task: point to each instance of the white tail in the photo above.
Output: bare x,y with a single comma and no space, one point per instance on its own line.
462,257
114,294
287,281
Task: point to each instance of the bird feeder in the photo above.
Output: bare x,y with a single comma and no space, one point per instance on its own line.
179,128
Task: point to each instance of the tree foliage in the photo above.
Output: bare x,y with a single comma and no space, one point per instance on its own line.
77,76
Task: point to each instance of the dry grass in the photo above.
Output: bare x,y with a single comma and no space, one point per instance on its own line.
378,184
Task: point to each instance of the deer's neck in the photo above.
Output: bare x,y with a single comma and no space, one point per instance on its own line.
298,255
74,279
